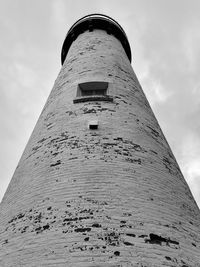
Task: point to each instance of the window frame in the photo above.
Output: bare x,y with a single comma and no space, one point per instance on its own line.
99,92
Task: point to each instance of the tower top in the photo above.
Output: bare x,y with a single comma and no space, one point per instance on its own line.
91,22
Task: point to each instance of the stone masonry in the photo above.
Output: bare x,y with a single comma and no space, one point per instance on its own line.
113,196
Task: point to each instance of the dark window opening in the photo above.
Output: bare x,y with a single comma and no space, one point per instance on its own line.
93,127
93,92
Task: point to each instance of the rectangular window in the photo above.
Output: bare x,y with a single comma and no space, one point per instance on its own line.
92,88
92,91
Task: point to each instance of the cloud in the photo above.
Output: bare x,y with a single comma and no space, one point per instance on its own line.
60,17
156,93
191,48
25,76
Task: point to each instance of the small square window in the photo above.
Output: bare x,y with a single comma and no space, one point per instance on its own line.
93,125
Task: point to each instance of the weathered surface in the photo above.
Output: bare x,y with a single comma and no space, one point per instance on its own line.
108,197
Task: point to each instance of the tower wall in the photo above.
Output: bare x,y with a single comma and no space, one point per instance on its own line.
114,196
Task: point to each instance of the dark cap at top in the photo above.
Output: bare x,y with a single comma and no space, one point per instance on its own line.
91,22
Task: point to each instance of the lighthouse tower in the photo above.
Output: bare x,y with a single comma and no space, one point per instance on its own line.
97,184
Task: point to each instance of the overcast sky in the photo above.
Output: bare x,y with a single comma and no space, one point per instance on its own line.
165,40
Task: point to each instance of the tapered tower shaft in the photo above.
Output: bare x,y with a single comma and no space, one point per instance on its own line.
97,184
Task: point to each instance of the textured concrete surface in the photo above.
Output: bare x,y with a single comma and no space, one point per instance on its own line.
108,197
